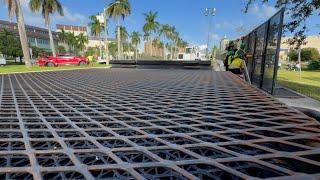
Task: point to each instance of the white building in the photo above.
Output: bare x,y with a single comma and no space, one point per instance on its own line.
76,30
224,43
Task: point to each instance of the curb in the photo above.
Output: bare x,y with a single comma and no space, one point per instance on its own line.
107,67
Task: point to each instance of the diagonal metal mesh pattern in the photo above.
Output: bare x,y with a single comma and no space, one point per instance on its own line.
149,124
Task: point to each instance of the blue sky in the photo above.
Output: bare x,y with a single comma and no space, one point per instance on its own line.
186,15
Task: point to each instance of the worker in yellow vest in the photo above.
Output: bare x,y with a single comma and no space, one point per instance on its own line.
230,54
237,64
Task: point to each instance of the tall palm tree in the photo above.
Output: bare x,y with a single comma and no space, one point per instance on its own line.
182,44
14,7
117,10
82,41
165,31
95,26
172,36
71,41
176,38
47,7
151,26
135,40
123,36
62,35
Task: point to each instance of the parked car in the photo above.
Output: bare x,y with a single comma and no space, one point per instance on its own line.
61,60
3,61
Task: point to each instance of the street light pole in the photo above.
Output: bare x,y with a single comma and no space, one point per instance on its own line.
209,12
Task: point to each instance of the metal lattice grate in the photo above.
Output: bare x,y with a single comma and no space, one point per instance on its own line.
152,124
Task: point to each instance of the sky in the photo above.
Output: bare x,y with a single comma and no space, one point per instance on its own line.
186,15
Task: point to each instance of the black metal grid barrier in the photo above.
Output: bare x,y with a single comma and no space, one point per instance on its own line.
152,124
264,44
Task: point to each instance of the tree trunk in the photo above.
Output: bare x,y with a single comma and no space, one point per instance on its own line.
119,40
171,53
136,52
53,49
151,51
106,36
23,35
164,52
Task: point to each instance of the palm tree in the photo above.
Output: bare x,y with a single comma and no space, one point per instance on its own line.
135,40
117,10
95,25
165,31
151,26
71,41
172,36
62,35
15,8
176,38
123,36
82,41
47,7
182,44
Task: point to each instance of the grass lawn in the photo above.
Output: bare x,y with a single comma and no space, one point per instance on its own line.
18,68
309,84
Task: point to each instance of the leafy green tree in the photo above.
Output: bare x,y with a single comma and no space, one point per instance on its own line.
307,54
10,45
14,7
136,40
61,50
314,65
47,7
36,52
117,10
151,26
299,11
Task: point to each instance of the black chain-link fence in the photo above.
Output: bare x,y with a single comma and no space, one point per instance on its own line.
264,45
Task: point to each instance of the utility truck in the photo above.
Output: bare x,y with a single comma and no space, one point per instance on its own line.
193,53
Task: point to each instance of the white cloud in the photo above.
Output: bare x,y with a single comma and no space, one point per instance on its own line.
36,19
263,11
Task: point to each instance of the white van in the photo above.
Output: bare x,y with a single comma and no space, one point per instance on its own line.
2,61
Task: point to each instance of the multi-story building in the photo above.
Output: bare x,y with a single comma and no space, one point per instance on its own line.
76,30
38,37
312,42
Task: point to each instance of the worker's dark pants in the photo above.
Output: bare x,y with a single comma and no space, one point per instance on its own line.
236,71
227,67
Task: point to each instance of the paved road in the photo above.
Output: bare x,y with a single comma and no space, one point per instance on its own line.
134,124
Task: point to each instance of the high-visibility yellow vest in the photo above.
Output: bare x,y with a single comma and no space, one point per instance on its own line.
237,63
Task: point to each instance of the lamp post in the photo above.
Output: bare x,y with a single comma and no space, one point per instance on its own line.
299,60
102,17
209,12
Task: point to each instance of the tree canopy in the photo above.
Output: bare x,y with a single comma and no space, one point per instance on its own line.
299,11
307,54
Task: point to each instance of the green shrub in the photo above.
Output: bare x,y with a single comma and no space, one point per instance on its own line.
314,65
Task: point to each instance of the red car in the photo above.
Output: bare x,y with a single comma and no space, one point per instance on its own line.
60,60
